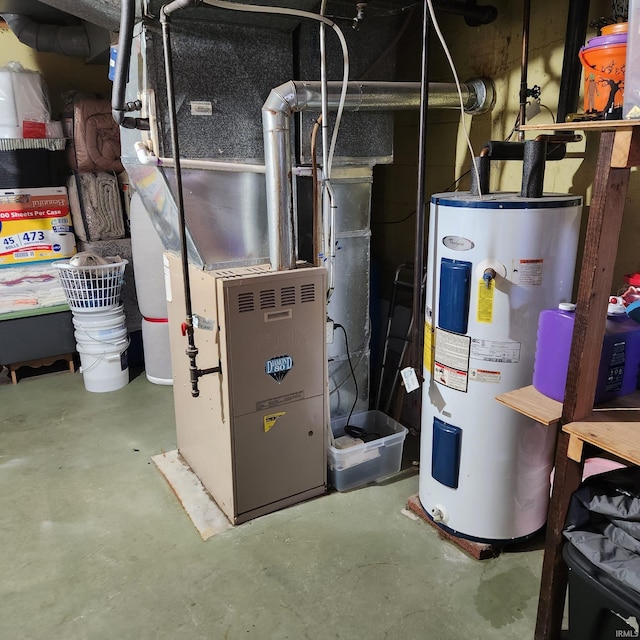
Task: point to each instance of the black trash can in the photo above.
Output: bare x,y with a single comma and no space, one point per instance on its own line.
600,607
603,557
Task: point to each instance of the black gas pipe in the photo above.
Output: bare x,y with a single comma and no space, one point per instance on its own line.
416,307
187,327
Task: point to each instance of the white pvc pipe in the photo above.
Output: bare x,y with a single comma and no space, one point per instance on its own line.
147,157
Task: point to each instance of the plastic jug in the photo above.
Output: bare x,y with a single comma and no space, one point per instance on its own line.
619,360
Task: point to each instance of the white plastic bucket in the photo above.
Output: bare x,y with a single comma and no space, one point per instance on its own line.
108,331
104,329
98,314
104,367
105,336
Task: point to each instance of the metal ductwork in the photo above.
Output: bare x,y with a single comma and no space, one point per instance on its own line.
478,96
81,41
103,13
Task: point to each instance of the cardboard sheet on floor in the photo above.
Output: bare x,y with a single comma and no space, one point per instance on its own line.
199,505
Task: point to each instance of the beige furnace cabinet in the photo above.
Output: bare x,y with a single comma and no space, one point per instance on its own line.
256,435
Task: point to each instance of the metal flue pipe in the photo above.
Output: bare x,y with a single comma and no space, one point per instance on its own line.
478,97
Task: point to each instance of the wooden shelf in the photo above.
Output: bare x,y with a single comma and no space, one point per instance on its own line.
587,125
622,439
533,404
613,427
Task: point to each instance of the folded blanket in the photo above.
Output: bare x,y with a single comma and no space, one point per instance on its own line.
30,287
96,208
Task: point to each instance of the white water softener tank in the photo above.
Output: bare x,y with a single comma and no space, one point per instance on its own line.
495,262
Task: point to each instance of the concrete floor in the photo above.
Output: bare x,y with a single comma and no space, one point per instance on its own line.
93,543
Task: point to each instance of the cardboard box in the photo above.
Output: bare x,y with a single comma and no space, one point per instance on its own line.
35,225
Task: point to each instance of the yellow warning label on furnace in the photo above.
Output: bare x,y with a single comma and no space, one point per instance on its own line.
486,291
271,419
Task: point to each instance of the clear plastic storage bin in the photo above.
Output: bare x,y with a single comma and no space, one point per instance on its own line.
370,461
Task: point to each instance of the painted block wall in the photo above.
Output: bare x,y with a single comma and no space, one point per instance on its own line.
491,50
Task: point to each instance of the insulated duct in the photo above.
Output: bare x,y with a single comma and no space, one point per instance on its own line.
66,40
478,97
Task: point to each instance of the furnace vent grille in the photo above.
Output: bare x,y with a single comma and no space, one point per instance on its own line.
245,302
287,296
268,299
308,292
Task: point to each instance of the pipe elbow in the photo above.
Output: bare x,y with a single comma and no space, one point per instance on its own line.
282,100
145,156
118,116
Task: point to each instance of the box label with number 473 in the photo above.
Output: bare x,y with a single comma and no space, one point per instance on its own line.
35,225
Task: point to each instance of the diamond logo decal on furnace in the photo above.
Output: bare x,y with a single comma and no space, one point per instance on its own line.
278,367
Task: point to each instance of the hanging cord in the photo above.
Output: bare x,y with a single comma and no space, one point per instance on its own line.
353,373
457,81
361,350
353,430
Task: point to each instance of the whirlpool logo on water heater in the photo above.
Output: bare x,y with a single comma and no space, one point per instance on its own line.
457,243
278,367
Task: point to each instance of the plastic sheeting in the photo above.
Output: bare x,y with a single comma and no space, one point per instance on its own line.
23,103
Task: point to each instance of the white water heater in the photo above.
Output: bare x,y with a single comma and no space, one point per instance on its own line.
495,262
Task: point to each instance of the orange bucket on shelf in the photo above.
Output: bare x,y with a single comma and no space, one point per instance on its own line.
604,59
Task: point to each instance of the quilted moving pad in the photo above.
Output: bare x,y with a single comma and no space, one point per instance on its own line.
95,136
96,208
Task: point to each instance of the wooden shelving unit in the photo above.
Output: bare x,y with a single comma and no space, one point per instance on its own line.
614,431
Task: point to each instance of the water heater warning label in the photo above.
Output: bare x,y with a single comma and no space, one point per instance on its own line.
527,272
451,359
484,375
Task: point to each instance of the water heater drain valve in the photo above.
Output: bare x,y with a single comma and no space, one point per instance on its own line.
439,514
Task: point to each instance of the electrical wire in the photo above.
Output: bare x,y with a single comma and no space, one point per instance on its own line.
353,373
409,215
329,210
455,182
457,81
553,118
362,350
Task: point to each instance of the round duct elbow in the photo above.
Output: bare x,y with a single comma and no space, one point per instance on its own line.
47,38
282,99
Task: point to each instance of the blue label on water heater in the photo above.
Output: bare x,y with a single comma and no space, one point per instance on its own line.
278,367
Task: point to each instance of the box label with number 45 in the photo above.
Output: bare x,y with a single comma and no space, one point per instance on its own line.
35,225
